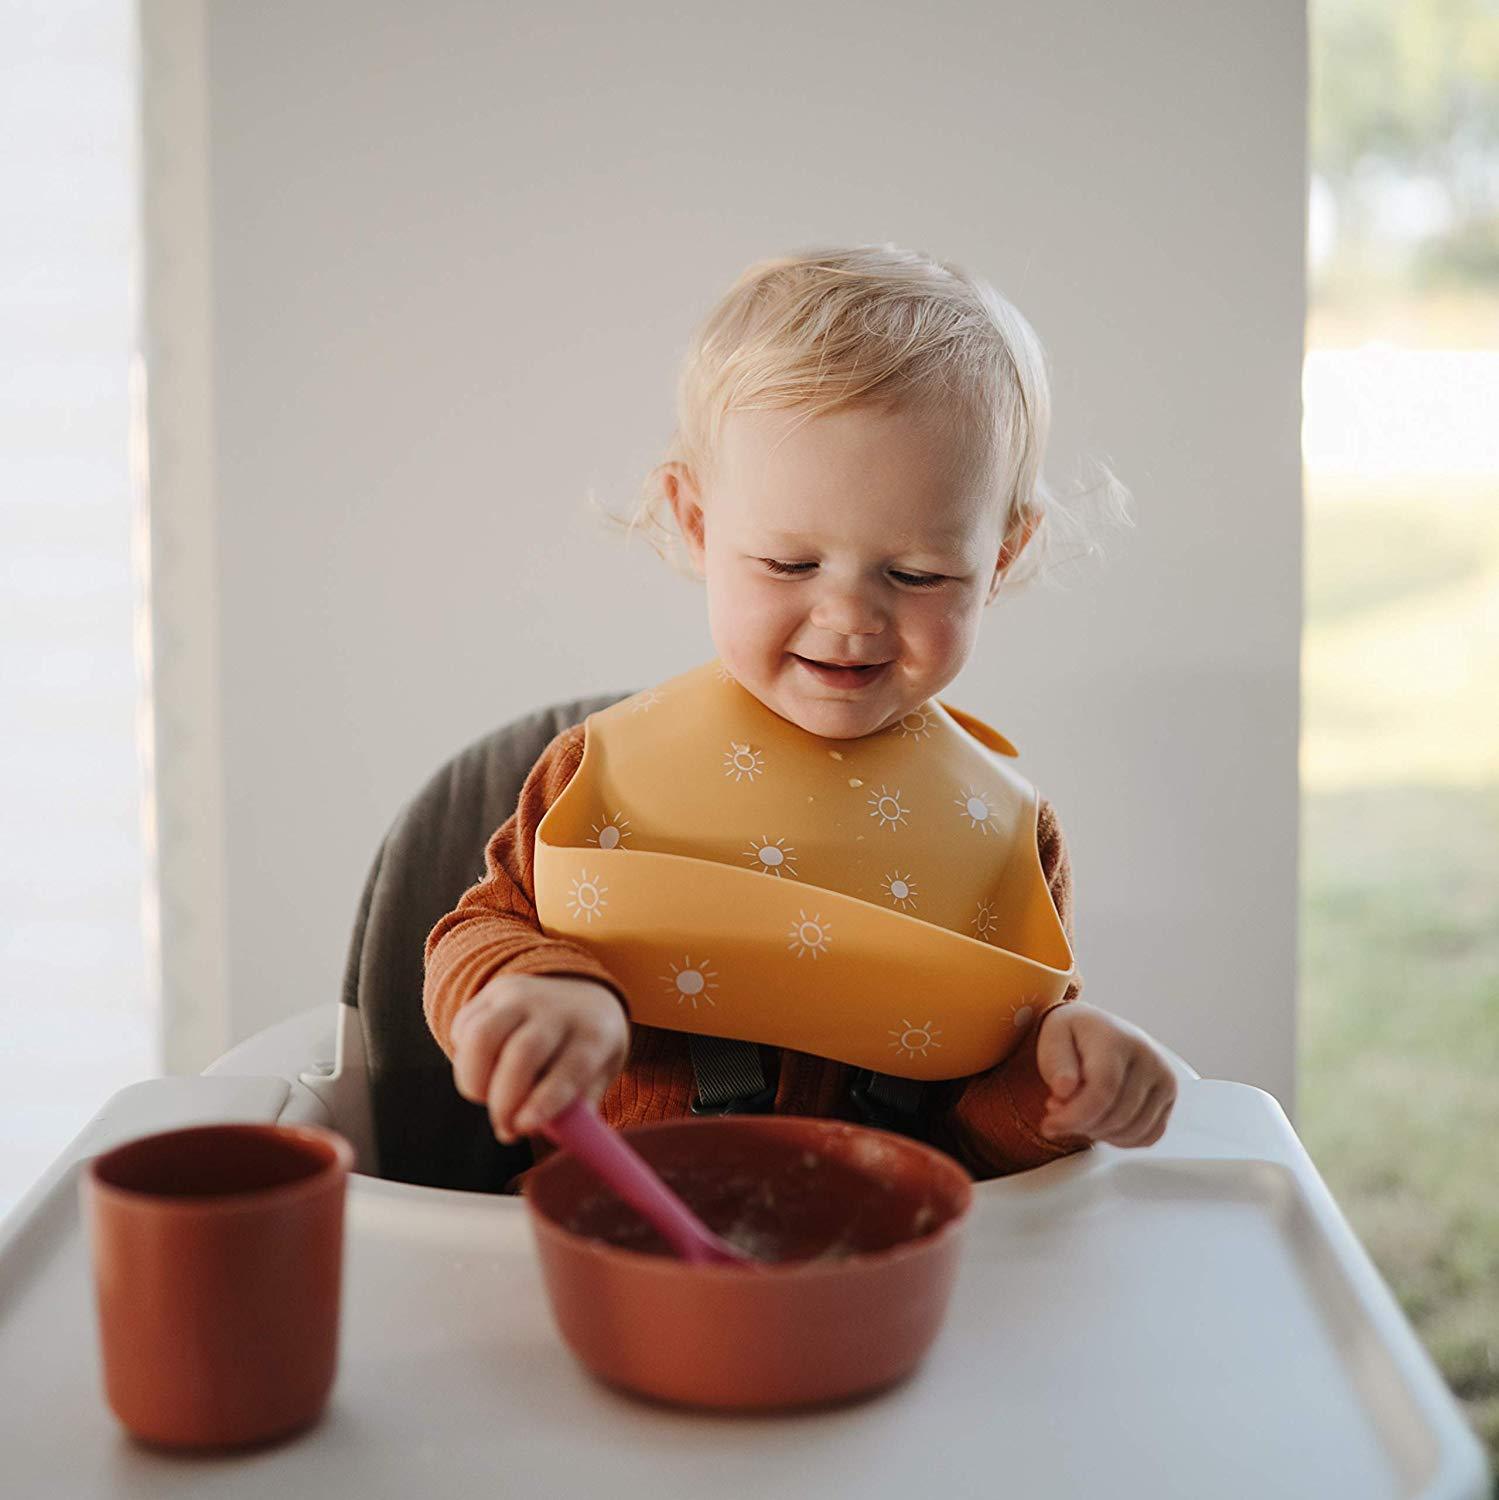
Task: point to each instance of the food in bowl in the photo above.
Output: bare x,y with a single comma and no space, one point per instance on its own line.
799,1206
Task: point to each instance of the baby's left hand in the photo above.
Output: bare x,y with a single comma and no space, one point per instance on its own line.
1108,1080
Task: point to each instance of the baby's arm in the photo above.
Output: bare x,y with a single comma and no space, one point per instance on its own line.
1079,1074
995,1119
494,928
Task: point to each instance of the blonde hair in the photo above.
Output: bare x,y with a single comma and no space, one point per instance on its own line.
874,325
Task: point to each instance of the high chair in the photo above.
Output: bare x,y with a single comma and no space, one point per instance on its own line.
388,1086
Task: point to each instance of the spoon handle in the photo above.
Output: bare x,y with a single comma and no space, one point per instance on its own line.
615,1162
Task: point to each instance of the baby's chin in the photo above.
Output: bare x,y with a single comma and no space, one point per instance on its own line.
830,718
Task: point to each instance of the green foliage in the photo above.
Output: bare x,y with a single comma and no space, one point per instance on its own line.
1399,1049
1406,87
1414,83
1399,964
1367,557
1467,255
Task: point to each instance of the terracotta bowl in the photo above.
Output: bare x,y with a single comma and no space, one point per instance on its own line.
860,1231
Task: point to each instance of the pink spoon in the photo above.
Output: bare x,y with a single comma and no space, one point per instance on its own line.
619,1166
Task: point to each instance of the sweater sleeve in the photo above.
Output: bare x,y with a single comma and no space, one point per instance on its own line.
993,1120
494,928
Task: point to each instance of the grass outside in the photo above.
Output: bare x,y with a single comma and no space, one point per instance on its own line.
1399,1029
1400,658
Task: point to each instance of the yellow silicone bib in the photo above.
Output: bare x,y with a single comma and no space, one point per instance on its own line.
879,901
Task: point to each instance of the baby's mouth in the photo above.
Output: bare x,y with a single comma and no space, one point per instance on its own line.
846,677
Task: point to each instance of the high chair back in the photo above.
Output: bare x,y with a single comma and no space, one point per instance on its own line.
425,1132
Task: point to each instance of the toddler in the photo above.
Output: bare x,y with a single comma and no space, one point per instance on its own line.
855,473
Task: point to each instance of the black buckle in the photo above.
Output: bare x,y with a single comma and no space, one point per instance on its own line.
758,1103
876,1112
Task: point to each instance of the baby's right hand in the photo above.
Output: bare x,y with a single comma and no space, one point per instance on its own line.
527,1045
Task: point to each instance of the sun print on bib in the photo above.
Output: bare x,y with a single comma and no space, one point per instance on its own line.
778,858
691,982
986,922
587,896
884,805
742,763
609,834
918,724
900,889
915,1041
809,935
975,807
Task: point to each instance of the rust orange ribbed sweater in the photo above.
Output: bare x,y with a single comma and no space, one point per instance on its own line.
987,1121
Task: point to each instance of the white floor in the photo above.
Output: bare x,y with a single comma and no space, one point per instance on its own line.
75,1009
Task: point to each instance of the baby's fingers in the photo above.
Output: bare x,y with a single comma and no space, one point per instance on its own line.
1133,1092
1101,1084
576,1070
480,1030
1057,1058
526,1056
1149,1123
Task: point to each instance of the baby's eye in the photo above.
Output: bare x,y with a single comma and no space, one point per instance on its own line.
910,580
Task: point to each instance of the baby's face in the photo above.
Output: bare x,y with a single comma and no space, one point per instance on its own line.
857,539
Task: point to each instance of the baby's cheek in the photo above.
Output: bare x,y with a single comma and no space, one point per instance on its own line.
751,615
727,611
945,632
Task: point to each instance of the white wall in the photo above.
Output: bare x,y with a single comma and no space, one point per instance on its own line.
456,251
76,991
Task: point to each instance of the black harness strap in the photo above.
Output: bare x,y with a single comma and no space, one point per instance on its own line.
730,1077
887,1102
731,1081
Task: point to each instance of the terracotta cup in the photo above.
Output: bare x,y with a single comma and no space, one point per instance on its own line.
860,1231
217,1254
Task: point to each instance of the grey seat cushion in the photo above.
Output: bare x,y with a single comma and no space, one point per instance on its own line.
425,1131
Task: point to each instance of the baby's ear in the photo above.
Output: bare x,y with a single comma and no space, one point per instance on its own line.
686,504
1016,539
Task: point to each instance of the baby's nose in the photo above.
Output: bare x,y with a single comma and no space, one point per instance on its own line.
848,612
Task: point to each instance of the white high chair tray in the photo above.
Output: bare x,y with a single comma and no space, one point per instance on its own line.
1191,1320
